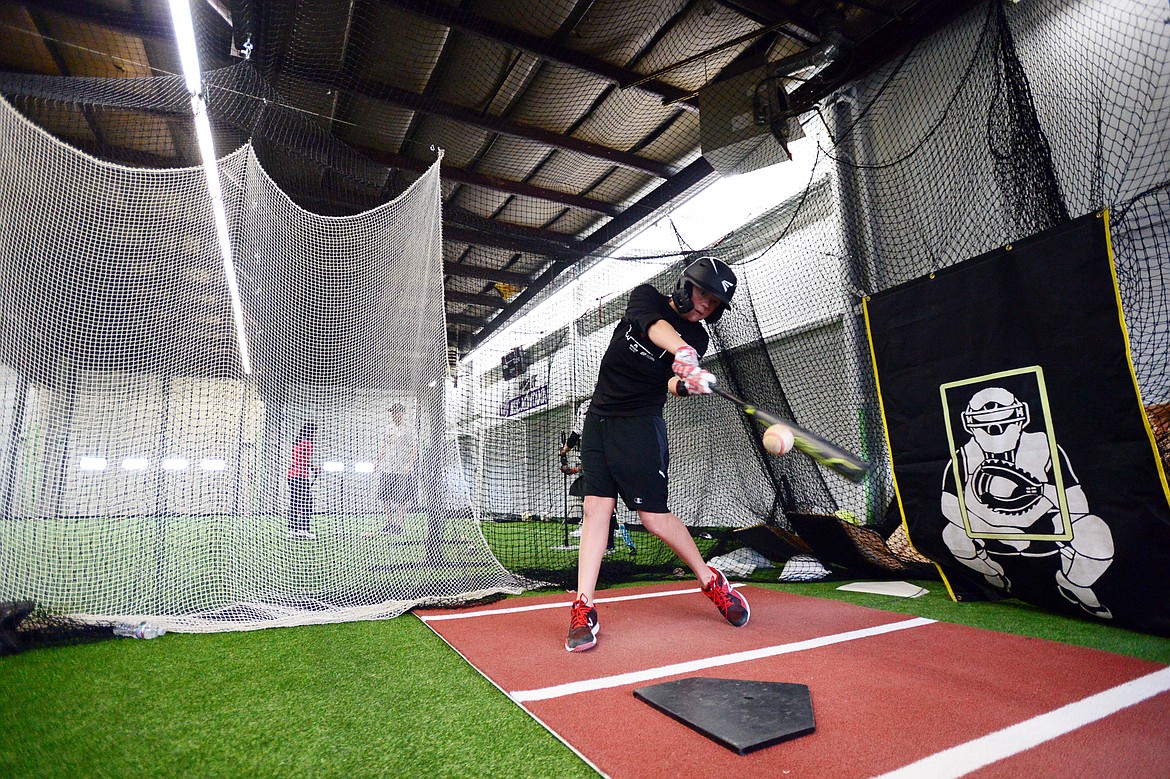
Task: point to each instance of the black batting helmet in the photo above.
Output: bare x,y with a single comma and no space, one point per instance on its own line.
709,274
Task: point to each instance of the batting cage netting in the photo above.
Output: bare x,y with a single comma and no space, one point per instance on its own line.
146,471
150,474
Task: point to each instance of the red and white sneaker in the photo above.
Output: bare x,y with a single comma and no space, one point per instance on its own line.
583,627
730,603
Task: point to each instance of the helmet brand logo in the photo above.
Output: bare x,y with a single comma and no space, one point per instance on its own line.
727,285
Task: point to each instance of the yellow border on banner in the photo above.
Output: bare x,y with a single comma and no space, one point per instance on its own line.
890,450
1104,216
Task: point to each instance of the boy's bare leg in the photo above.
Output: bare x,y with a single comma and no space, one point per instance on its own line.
731,604
594,527
674,534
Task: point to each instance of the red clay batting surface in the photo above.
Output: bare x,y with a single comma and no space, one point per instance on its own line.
893,695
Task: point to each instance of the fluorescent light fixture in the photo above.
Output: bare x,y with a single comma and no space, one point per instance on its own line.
213,464
189,56
333,466
185,35
91,464
135,464
175,464
363,467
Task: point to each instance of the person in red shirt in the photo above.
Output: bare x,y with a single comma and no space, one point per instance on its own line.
300,470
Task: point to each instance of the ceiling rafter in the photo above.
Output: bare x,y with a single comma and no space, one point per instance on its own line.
457,227
488,301
465,319
648,204
571,21
465,176
489,274
129,24
674,186
796,25
434,78
414,101
509,239
118,21
560,263
54,52
542,48
345,62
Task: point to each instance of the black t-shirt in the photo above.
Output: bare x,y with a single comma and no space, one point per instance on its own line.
634,372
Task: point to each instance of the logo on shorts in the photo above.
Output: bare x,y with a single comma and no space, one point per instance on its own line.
638,501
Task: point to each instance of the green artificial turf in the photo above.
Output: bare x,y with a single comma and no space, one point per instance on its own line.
385,698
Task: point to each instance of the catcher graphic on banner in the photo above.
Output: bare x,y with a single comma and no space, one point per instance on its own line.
1022,457
1009,494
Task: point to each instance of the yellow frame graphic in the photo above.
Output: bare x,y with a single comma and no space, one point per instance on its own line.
1053,453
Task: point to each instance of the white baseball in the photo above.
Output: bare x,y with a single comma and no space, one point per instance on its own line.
778,439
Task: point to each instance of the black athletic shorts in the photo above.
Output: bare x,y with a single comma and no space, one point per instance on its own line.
397,488
577,488
626,457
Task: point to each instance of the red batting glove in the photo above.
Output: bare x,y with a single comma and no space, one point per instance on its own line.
686,360
686,367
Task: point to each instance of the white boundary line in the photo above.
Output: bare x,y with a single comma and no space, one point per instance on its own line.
964,758
557,605
634,677
525,709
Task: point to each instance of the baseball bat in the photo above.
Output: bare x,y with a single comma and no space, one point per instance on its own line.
824,452
629,541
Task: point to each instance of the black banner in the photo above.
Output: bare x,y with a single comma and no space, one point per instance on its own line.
1023,460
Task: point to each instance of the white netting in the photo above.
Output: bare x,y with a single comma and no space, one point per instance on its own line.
147,475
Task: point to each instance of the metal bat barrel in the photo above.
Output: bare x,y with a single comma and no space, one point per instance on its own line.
825,452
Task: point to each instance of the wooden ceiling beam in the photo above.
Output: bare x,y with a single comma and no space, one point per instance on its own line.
487,274
495,235
795,25
464,176
111,19
54,51
465,319
542,48
490,301
512,240
414,101
650,203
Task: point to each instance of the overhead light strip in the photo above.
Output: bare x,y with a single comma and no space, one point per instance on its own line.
189,56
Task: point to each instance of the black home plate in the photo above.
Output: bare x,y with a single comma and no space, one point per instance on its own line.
741,715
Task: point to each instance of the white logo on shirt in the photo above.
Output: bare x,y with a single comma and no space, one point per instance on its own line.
637,347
